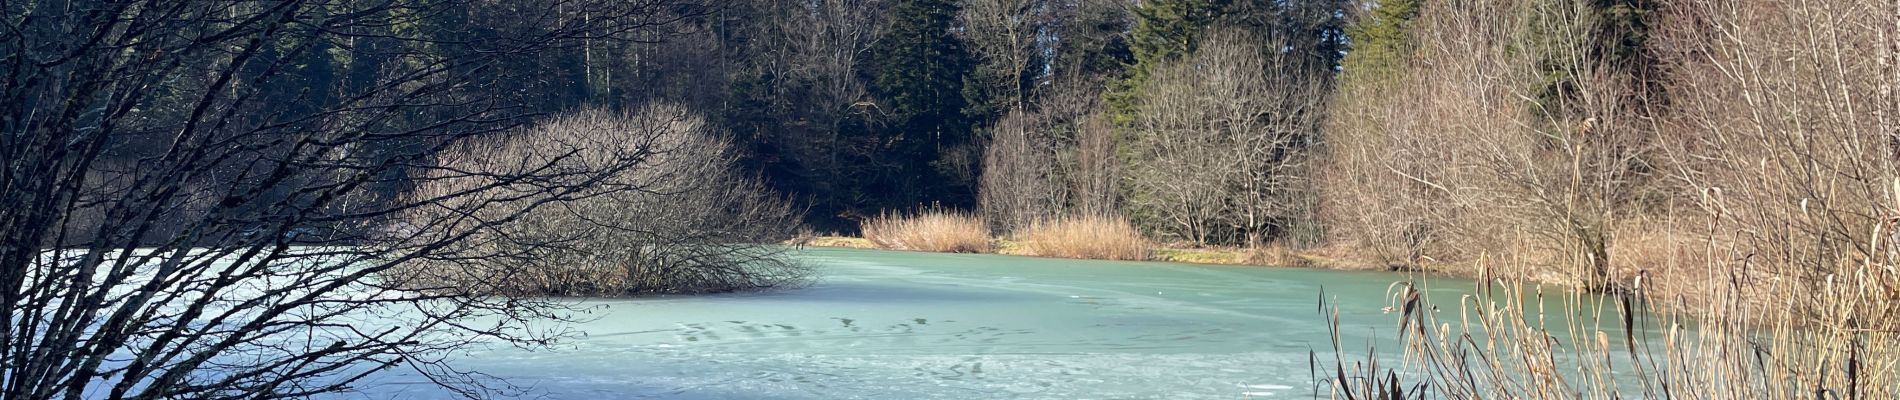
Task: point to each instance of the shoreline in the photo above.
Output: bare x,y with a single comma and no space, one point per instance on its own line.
1265,257
1271,256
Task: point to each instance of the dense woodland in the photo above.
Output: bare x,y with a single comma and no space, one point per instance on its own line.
1740,153
1399,131
1023,108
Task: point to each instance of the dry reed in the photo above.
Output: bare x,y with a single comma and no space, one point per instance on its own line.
932,230
1091,237
1513,339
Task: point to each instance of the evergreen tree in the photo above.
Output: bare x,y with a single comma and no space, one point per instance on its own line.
921,68
1164,30
1316,32
1168,30
1381,40
1617,43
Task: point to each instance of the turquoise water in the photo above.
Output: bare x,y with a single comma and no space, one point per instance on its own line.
901,325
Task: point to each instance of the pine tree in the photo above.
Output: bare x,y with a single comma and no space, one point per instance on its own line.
1380,40
921,68
1164,31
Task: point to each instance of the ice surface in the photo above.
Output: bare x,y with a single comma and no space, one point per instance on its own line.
897,325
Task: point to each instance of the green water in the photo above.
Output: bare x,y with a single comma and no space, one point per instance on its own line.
900,325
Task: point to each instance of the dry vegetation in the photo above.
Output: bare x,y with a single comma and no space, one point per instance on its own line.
1216,146
683,221
1500,139
1503,137
1736,204
1098,238
931,230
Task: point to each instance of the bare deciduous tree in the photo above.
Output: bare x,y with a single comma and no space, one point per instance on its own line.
1005,35
1020,185
1219,139
1095,180
199,192
825,43
1532,147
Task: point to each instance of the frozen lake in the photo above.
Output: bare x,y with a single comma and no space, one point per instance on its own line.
900,325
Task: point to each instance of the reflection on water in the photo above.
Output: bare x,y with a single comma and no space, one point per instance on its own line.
917,325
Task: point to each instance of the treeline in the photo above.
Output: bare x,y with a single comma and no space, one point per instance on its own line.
1193,118
1600,142
1724,171
1671,145
277,199
1590,135
1026,109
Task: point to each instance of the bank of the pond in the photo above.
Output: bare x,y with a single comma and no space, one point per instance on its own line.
1270,256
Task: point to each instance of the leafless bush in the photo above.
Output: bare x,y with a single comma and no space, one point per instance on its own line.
232,242
1771,272
1788,138
1095,180
1219,139
1020,182
1503,124
685,222
1378,201
1058,159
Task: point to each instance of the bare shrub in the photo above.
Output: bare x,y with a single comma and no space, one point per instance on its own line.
1086,237
199,195
1019,184
1503,123
1219,139
1790,140
1007,36
932,230
1773,275
1095,180
684,222
1378,199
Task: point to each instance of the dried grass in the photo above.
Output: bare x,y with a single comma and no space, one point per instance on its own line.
1091,237
1515,339
933,230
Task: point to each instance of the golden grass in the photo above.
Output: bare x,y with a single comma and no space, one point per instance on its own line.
934,230
1200,256
836,241
1279,256
1095,238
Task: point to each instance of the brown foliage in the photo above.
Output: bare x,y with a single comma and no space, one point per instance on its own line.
1503,136
1742,203
683,221
1088,237
1020,181
1219,140
932,230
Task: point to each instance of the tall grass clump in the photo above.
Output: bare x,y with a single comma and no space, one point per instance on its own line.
932,230
1087,237
1515,339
